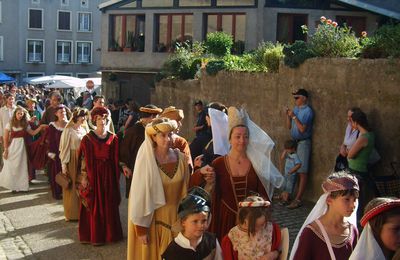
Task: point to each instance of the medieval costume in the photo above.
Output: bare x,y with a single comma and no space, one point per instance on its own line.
156,192
54,166
207,246
261,177
99,220
311,243
69,145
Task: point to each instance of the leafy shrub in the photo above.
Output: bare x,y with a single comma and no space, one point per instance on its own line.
384,43
272,57
296,54
244,62
219,43
180,64
238,47
331,40
214,66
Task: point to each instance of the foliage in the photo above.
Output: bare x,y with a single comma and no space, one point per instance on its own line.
384,43
331,40
219,43
238,47
244,62
296,54
272,57
183,64
214,66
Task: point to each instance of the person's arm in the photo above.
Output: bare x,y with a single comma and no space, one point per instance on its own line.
36,131
6,136
357,147
64,149
295,168
288,119
128,121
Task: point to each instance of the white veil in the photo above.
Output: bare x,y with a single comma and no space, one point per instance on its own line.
147,191
367,247
258,150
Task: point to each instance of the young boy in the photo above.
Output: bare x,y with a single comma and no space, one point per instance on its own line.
292,164
330,230
193,242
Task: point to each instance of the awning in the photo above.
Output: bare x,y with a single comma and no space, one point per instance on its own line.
4,78
389,8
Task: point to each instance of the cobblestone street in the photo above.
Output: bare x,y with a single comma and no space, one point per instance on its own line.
32,226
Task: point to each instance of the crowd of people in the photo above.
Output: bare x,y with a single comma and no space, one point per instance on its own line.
205,199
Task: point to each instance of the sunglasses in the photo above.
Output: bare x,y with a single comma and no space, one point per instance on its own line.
296,98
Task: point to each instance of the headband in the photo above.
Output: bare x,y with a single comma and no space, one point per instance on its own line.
342,183
378,210
253,202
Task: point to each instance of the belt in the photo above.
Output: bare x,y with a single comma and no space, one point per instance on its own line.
300,140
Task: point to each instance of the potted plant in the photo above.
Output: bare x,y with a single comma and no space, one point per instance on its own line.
130,39
114,45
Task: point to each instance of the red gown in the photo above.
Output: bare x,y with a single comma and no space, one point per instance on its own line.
100,222
228,192
54,137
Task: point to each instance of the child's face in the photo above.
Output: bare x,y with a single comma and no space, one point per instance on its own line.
343,205
194,225
390,234
19,115
259,225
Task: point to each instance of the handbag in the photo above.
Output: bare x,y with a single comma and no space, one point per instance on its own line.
63,180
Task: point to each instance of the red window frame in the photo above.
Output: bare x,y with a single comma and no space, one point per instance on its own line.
219,22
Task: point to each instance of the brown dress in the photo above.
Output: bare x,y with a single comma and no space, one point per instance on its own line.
227,193
160,233
69,145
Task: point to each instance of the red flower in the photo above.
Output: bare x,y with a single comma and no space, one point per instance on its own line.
334,24
322,19
364,34
329,21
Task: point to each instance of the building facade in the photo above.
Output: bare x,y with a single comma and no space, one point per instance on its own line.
138,35
46,37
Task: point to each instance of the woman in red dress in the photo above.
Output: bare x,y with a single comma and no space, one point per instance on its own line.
99,220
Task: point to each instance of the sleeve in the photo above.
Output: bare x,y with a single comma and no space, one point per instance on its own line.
296,159
51,137
8,127
196,179
82,170
305,246
227,249
261,190
276,237
308,117
65,148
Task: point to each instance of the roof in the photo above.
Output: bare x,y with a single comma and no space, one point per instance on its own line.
390,8
108,3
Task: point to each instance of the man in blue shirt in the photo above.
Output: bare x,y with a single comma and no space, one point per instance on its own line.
299,121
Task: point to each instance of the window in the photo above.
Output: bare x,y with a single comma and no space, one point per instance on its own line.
69,74
356,23
235,24
82,75
83,52
64,2
35,19
236,2
84,22
35,51
185,3
63,51
289,28
35,1
173,28
34,74
85,3
1,48
127,31
64,21
296,3
157,3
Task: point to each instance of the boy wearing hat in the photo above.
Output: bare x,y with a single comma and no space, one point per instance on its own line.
193,242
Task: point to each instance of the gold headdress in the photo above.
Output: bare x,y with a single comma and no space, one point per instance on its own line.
237,117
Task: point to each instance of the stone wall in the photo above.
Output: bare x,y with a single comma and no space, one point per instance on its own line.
334,86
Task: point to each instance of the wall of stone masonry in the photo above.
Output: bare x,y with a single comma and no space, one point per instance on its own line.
334,86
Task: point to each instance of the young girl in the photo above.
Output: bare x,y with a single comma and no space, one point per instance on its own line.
14,175
193,242
326,233
255,237
381,235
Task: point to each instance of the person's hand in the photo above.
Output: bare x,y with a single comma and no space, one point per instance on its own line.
127,171
5,154
343,150
198,160
208,173
42,127
64,172
270,256
33,119
51,156
144,239
290,113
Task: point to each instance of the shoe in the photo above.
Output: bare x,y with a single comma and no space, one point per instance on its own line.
294,204
283,203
